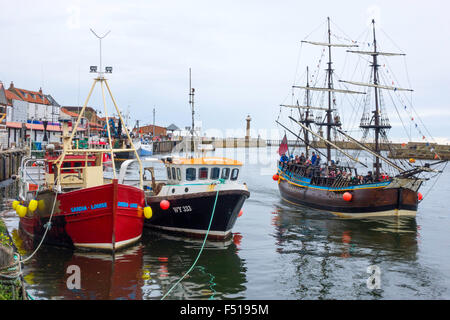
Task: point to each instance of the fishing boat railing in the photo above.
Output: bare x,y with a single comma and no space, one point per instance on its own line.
129,176
31,176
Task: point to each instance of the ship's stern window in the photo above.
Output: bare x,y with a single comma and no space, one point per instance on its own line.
179,174
190,174
234,174
225,173
169,175
203,173
215,173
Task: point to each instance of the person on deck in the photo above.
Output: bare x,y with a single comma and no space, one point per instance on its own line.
313,158
284,158
368,178
302,158
317,162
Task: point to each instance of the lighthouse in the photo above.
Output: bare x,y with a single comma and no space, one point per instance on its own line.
247,133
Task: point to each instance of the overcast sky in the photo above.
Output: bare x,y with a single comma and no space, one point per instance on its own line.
244,55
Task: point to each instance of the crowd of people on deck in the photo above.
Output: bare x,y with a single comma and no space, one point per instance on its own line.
312,168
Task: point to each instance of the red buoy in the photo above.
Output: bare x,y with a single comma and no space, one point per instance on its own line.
164,204
275,177
240,213
347,196
419,196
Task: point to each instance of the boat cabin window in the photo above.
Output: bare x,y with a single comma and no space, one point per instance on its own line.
203,173
169,176
190,174
174,174
225,173
234,174
179,174
215,173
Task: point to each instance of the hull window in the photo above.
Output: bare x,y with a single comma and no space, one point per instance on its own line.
169,176
215,173
190,174
234,174
174,175
203,173
225,173
179,174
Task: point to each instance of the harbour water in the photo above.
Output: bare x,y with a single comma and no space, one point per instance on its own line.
278,251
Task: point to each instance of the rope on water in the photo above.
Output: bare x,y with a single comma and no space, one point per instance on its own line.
203,245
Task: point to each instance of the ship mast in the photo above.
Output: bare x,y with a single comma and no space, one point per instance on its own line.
330,86
377,107
329,123
307,121
378,126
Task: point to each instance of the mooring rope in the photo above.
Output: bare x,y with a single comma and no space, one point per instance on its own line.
204,242
48,226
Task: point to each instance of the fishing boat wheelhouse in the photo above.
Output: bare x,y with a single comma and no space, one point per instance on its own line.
194,189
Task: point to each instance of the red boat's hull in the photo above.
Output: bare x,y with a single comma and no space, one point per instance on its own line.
106,217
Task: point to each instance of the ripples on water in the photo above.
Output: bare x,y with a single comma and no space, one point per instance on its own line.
278,251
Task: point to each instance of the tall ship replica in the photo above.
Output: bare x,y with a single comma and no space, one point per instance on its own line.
343,184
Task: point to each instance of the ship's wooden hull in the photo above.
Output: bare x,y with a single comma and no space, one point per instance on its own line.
106,217
367,201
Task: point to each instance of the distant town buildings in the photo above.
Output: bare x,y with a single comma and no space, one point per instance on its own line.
148,130
27,115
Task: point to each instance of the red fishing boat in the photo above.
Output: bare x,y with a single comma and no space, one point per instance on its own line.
65,200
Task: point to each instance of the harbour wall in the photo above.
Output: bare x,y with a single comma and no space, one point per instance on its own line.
416,150
10,163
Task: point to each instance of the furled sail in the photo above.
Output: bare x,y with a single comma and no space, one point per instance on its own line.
375,85
372,53
329,89
330,44
303,107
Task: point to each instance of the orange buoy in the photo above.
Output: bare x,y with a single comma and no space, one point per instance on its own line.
275,177
240,213
412,160
419,196
347,196
164,204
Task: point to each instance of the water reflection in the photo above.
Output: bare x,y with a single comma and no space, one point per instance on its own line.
219,272
393,236
331,254
139,272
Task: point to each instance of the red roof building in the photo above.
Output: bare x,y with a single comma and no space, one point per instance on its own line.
29,96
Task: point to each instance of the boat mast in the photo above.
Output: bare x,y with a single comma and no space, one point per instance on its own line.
307,115
377,107
330,86
191,102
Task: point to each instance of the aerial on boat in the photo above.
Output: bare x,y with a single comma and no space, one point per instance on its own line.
342,183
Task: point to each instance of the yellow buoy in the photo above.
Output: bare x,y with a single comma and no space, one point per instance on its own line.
21,211
33,205
148,212
15,203
41,205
